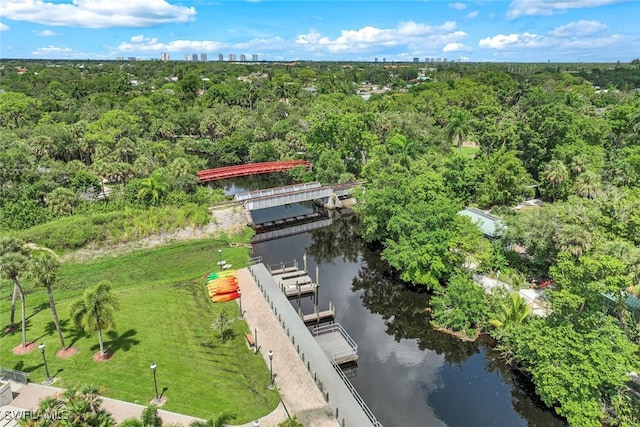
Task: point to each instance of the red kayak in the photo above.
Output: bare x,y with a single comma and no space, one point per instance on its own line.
223,290
225,297
222,280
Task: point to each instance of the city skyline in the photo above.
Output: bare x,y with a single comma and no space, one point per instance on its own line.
478,31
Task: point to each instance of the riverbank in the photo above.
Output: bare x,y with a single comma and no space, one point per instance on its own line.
227,219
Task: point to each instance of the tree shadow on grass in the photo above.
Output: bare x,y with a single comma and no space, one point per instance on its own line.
115,342
74,335
37,309
213,342
17,330
50,329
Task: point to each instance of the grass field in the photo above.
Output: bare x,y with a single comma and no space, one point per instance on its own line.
166,318
466,150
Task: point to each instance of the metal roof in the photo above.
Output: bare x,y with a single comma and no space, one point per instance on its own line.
490,225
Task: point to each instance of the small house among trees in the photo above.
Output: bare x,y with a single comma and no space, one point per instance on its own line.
491,225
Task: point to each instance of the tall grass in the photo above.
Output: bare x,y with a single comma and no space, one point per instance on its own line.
78,231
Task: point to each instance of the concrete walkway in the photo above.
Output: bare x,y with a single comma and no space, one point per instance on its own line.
28,396
299,394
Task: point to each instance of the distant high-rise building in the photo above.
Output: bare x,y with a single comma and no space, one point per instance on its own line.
194,57
203,57
220,57
164,56
375,59
384,59
416,59
119,58
243,57
232,57
254,57
132,58
186,57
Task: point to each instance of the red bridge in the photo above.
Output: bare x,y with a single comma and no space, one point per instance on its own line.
250,169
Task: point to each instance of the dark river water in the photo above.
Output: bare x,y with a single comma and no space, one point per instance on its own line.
407,373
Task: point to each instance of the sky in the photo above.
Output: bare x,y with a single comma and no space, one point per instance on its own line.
334,30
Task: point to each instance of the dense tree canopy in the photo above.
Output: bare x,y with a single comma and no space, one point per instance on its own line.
93,142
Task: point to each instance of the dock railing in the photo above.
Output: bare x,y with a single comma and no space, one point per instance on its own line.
338,356
254,261
356,395
283,267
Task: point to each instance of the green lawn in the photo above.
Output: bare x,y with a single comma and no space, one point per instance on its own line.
165,318
466,151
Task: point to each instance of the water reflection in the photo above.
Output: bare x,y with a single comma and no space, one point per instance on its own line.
409,374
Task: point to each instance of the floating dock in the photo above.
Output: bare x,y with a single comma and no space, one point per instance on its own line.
318,316
336,343
296,286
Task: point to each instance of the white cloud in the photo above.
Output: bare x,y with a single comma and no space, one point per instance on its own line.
579,35
519,8
579,28
413,36
58,52
506,41
97,13
473,14
456,47
142,44
4,27
45,33
458,6
48,50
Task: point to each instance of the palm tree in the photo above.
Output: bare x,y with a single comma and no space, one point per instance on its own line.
403,149
81,407
13,261
514,310
62,201
459,126
6,246
221,420
152,188
572,238
43,270
95,311
588,185
555,172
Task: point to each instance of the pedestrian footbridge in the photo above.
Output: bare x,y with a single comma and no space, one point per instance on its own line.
278,196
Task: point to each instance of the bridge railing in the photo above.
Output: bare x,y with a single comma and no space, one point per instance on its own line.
241,197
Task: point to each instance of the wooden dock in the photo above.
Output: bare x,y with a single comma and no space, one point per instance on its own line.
299,291
282,268
318,316
336,343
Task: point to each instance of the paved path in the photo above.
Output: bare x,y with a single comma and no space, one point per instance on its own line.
299,394
28,396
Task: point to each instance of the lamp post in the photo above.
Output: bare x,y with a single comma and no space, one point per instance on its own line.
255,341
155,382
271,386
48,380
256,423
220,262
240,301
